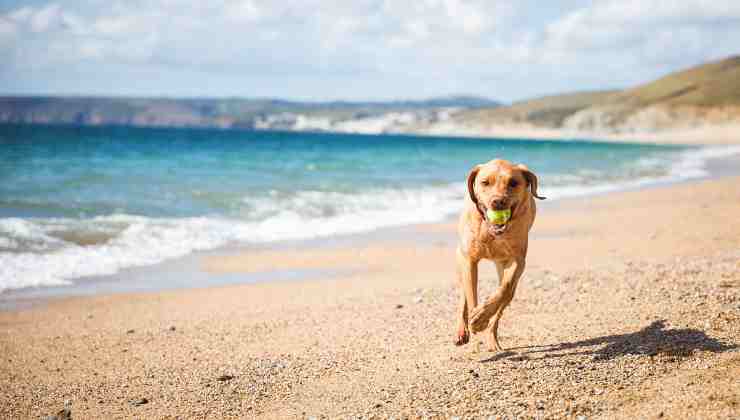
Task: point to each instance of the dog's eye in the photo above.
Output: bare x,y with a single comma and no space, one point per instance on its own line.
484,183
513,183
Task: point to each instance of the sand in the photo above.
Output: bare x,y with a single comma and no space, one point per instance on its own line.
629,308
709,134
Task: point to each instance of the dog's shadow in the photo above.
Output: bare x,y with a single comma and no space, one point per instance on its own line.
652,340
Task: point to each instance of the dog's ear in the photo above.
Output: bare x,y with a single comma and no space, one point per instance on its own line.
531,180
471,188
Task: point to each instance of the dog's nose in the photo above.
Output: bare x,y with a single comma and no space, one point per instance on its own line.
500,204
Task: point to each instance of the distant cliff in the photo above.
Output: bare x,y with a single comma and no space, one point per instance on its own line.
704,96
237,113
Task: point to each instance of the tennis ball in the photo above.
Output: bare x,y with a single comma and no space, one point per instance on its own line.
498,217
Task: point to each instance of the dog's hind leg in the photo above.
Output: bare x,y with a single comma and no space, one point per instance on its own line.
482,314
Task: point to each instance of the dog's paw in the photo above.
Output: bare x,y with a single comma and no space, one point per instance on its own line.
462,337
479,319
493,344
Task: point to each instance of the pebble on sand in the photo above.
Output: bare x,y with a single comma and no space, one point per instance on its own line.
63,414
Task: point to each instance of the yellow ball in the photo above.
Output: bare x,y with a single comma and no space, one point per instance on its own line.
498,217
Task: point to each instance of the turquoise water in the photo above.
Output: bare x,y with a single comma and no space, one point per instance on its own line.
84,201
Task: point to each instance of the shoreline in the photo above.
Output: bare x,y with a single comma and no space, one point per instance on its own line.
707,135
188,271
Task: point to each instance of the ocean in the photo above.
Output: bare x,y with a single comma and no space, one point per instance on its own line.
90,201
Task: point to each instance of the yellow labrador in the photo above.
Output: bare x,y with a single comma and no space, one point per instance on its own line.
496,185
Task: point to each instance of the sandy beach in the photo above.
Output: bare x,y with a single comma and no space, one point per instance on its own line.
629,308
709,134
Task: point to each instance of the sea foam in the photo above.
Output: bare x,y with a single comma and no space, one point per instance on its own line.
54,251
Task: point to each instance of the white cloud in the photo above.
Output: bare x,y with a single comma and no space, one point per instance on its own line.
662,11
21,14
43,19
618,23
243,10
116,25
7,28
414,48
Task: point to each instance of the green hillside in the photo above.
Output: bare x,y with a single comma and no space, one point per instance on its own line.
547,111
712,84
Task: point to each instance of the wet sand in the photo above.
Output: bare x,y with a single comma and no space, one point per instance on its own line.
629,308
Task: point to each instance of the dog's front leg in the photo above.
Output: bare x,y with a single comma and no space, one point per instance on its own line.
482,314
467,275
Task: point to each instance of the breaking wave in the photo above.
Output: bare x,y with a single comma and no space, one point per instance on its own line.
54,251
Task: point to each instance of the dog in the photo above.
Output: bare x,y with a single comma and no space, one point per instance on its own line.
495,185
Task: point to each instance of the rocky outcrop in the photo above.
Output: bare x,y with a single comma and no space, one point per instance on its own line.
650,119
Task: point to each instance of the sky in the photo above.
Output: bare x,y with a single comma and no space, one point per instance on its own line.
354,50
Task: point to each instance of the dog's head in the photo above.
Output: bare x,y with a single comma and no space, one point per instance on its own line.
501,185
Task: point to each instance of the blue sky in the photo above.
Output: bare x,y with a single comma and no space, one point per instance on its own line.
320,49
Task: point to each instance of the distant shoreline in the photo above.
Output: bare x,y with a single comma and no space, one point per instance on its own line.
699,105
710,135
